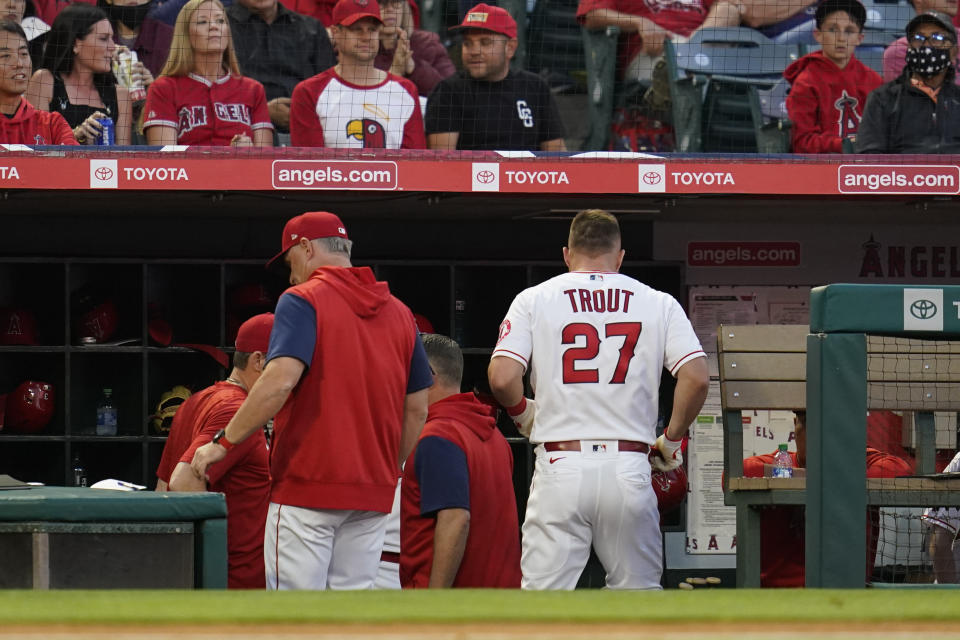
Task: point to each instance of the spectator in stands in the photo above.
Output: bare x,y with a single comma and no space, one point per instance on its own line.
648,23
488,105
354,105
23,13
244,475
782,528
76,75
146,36
458,510
22,124
895,55
411,53
322,10
829,87
919,112
279,48
201,98
943,523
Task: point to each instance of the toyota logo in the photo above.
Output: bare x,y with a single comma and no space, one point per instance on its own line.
923,309
103,173
652,177
486,176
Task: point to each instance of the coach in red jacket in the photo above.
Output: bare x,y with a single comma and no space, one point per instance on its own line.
458,512
21,122
829,88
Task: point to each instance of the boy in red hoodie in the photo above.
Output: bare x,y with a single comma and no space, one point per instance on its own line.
21,123
829,87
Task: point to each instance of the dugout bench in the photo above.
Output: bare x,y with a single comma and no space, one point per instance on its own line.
864,349
81,538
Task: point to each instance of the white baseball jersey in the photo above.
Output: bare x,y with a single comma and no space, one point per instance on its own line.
598,342
946,517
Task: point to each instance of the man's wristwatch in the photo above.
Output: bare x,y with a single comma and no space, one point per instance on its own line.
221,439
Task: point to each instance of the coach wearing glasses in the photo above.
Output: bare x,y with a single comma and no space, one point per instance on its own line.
919,112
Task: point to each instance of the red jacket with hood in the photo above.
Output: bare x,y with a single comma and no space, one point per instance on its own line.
337,439
826,102
31,126
491,557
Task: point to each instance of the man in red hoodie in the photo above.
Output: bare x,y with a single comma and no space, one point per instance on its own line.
829,87
21,123
458,512
782,528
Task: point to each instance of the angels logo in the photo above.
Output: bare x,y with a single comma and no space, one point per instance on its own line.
369,132
656,6
848,118
232,112
504,331
191,117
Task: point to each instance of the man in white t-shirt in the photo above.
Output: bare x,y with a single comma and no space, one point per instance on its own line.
596,342
944,523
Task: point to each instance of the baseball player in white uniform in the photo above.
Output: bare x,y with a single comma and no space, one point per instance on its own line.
944,523
596,342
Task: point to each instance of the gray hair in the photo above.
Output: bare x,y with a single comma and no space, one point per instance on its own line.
334,245
445,357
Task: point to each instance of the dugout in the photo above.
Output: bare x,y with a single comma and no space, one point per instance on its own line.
183,241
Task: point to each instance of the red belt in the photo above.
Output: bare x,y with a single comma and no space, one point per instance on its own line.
574,445
390,556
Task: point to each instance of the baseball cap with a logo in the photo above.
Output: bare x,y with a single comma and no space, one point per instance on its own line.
254,334
495,19
310,225
346,12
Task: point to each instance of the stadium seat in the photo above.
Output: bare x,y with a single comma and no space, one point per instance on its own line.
600,55
771,124
888,16
554,46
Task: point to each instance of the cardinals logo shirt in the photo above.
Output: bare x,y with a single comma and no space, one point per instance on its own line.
328,111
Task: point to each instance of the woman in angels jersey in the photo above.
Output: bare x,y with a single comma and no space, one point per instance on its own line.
201,98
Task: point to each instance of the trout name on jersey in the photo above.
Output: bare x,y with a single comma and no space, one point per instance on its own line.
600,300
196,116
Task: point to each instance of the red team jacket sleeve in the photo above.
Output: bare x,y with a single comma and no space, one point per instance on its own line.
803,106
60,131
413,135
261,113
305,128
161,108
216,420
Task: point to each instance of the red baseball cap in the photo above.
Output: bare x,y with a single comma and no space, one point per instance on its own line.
346,12
254,334
495,19
310,225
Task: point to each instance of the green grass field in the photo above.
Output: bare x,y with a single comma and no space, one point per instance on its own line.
385,607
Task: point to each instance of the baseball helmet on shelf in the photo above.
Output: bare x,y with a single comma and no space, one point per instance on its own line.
96,315
670,487
18,327
170,401
29,407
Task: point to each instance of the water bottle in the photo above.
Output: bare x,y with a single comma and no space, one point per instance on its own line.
459,317
106,415
782,463
79,473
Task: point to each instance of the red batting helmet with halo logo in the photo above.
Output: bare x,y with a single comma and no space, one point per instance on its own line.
29,407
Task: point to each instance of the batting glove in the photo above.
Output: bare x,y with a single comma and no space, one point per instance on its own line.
522,415
670,455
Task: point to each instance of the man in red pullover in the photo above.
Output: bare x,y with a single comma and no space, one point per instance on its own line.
458,511
782,528
829,87
21,123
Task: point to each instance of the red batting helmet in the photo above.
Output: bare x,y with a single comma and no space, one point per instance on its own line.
17,326
670,487
29,407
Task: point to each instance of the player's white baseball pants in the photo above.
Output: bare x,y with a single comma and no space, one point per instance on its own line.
596,495
322,549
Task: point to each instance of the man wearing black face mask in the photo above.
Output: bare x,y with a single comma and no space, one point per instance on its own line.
145,36
919,112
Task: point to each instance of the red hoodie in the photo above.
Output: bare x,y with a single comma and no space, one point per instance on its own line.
826,102
491,558
30,126
337,439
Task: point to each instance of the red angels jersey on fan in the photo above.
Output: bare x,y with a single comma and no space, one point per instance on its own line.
204,112
328,111
598,343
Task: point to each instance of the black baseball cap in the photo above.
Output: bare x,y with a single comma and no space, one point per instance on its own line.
942,20
852,7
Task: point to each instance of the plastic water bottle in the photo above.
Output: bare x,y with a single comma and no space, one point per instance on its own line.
79,473
782,463
106,415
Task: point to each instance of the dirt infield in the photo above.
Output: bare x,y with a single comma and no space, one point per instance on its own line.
506,631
